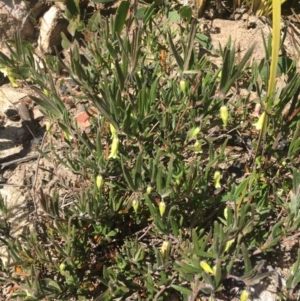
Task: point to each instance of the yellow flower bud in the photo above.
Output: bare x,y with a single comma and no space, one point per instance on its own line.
149,189
114,149
229,244
224,114
162,208
182,85
68,136
46,92
217,179
197,147
113,131
62,269
164,247
135,205
206,267
99,181
48,127
244,295
226,213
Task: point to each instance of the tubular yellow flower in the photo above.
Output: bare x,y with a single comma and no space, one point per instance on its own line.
206,267
113,131
114,148
217,179
224,114
259,124
162,208
135,205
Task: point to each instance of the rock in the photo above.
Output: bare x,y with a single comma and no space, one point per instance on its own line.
19,15
13,131
52,24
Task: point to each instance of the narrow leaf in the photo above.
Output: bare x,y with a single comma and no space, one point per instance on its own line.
121,16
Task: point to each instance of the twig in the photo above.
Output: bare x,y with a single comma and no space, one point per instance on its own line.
21,160
164,287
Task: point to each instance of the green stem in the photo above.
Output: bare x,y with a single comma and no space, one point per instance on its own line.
273,70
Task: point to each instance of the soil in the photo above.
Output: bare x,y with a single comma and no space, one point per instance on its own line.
23,171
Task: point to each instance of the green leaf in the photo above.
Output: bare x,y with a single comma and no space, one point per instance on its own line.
190,46
182,289
72,27
94,21
246,258
121,15
127,175
186,13
204,41
170,172
218,272
72,8
178,58
173,16
120,74
149,12
138,169
65,43
102,106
